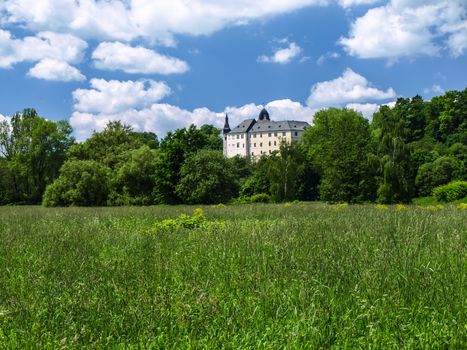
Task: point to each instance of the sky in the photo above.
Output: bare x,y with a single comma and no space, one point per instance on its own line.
159,65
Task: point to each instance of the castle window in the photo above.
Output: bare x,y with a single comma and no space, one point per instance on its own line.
269,126
283,133
261,135
269,151
254,144
275,134
242,136
269,143
238,144
243,145
296,133
275,144
260,144
225,138
238,136
269,134
252,154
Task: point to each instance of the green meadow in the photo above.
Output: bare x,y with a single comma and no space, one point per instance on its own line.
264,276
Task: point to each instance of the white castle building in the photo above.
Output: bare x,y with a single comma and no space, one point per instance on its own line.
252,138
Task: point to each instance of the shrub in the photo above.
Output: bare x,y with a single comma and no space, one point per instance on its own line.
81,183
260,198
451,192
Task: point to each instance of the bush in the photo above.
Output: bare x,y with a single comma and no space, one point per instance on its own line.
260,198
81,183
451,192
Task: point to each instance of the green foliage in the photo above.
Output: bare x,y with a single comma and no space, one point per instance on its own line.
196,221
207,178
451,192
81,183
439,172
338,144
392,158
134,180
33,150
109,146
260,198
176,147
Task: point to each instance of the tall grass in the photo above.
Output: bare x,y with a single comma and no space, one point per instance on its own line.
270,277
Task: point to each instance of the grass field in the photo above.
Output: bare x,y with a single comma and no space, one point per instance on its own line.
263,277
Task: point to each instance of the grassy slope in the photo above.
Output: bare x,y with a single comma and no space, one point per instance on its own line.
276,277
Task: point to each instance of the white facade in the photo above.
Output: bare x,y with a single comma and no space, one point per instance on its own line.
253,138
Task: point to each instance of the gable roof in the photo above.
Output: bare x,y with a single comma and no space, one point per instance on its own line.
284,125
243,127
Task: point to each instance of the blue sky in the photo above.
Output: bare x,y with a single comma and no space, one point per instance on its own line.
159,65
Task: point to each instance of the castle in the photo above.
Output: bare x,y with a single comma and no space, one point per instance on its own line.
253,138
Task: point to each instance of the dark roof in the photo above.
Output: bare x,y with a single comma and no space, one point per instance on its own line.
243,127
226,129
285,125
263,115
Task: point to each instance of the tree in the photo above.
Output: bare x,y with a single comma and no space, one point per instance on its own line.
110,145
284,171
338,144
134,181
439,172
175,148
81,183
392,159
206,178
34,150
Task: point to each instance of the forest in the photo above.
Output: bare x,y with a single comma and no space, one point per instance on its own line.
413,151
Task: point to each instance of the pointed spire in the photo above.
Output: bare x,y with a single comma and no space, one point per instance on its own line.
226,129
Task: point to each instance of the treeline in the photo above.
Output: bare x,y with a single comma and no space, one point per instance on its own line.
403,153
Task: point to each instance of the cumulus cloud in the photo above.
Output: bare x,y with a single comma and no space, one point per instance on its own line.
282,56
138,104
61,47
118,56
115,96
350,87
408,28
367,109
53,51
155,20
54,70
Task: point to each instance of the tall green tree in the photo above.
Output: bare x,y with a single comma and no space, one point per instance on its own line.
392,159
338,144
33,150
175,148
110,145
133,182
207,177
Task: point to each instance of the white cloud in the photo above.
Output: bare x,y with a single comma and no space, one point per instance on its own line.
436,89
408,28
350,87
110,97
282,56
54,70
351,3
154,20
367,109
327,56
118,56
137,103
62,47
